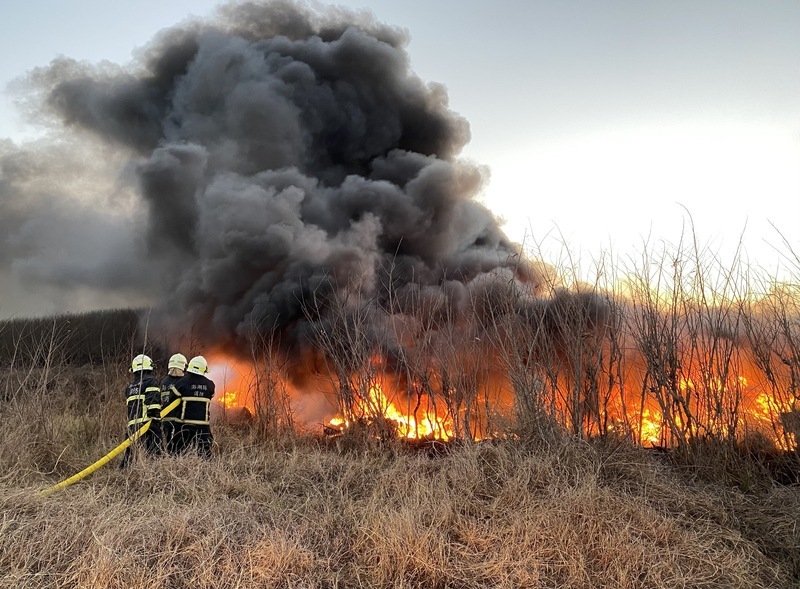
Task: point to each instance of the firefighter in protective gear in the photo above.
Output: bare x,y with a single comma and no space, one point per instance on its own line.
195,390
170,422
143,397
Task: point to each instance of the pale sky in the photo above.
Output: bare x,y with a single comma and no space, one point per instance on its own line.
602,122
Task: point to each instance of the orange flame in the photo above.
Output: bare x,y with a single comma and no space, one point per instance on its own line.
233,381
408,425
700,405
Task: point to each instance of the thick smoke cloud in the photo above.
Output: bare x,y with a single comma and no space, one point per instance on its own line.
69,230
283,158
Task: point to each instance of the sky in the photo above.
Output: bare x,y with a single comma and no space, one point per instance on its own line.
606,127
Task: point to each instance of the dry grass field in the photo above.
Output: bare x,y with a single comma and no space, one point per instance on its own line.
638,436
538,511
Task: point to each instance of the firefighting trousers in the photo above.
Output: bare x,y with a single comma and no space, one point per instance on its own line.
197,438
150,443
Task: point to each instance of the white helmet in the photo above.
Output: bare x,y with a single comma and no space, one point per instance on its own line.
198,365
141,362
177,361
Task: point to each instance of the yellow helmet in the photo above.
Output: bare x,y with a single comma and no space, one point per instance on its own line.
141,362
177,361
198,365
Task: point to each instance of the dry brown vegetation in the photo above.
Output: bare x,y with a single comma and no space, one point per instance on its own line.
687,352
293,512
571,491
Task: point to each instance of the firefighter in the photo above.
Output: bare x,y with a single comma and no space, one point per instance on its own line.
196,391
169,423
143,397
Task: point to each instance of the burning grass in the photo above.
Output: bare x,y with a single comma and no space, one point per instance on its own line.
683,352
289,511
668,371
595,437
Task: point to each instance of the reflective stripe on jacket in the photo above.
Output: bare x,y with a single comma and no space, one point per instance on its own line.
196,392
168,394
143,398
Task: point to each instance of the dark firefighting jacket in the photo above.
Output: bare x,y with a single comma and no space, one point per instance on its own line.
168,394
143,397
195,391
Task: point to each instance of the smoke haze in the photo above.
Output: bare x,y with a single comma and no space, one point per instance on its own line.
245,172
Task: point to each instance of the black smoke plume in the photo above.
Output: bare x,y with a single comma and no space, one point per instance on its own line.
281,159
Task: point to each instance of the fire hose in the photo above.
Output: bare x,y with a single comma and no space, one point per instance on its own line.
110,456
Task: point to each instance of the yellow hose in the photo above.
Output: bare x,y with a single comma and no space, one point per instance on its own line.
110,456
